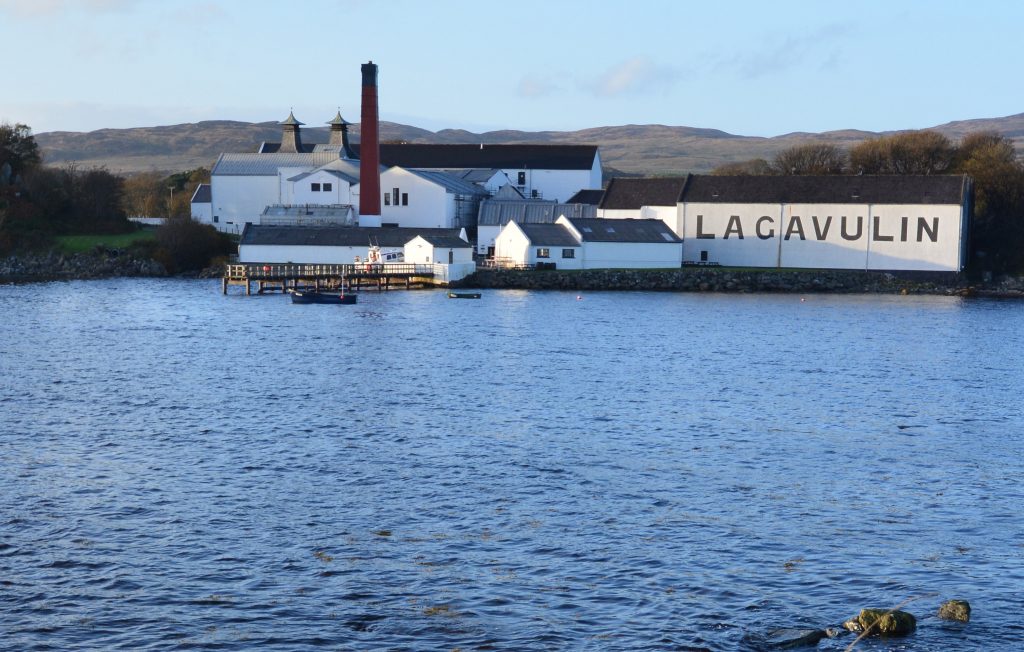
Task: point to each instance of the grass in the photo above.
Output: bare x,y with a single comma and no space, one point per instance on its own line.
73,244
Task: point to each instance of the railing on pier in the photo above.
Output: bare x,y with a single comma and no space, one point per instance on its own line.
280,271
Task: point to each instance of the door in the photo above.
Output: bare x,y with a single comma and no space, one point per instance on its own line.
451,256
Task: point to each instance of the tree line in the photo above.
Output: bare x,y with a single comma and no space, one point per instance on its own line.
997,226
39,203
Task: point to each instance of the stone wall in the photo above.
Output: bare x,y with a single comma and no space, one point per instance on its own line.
99,263
709,279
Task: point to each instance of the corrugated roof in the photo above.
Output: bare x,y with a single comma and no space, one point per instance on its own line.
630,194
202,194
499,212
592,197
450,183
333,173
335,236
605,230
868,189
554,235
449,241
268,164
530,157
474,175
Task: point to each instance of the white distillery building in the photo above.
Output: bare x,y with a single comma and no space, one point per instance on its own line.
886,223
201,211
428,199
591,243
325,245
496,213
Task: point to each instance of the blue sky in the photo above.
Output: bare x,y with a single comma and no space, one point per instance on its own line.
750,68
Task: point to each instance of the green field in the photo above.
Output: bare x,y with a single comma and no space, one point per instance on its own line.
73,244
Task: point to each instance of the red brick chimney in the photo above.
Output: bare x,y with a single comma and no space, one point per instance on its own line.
369,151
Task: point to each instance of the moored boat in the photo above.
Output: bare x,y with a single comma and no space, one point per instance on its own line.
464,295
306,296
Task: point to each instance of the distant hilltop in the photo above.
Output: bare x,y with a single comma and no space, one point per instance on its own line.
627,149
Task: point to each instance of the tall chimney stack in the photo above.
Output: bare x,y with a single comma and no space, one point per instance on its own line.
369,151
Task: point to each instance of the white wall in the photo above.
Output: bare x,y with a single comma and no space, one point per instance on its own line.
513,244
240,199
632,255
556,184
430,205
418,250
300,192
300,254
202,212
836,236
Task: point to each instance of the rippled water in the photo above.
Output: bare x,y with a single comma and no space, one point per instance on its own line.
530,471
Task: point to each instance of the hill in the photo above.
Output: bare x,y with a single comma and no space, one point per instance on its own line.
630,149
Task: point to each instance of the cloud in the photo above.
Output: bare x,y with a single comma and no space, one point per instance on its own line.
635,76
536,86
775,56
45,8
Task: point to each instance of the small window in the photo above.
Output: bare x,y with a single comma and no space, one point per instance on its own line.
522,179
543,252
387,199
216,219
703,256
534,194
405,199
394,195
328,187
568,253
315,187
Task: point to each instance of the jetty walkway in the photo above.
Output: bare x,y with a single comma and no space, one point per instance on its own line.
285,276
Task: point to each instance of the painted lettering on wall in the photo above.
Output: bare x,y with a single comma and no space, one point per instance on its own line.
819,227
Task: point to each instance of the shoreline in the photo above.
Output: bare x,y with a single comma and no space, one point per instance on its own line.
110,263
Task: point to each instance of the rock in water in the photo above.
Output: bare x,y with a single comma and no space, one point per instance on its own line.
887,623
959,610
789,639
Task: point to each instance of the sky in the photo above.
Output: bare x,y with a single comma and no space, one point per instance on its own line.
749,68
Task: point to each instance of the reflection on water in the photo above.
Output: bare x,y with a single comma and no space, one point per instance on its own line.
527,471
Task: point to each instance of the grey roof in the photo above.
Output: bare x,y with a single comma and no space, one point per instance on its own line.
592,197
202,194
554,235
450,183
625,193
267,147
868,189
307,210
441,240
499,212
268,164
335,236
333,173
605,230
520,157
475,175
290,120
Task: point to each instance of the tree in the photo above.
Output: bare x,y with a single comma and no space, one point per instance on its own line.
913,152
18,148
755,167
186,245
812,158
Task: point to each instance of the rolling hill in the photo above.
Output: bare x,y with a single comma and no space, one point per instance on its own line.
629,149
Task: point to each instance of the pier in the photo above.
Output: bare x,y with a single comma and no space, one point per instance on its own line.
282,277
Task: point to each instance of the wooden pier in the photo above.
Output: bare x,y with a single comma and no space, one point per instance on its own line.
268,277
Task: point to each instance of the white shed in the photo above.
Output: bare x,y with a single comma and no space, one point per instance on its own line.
438,248
532,244
625,243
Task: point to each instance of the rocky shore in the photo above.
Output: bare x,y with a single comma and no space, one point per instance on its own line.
709,279
95,264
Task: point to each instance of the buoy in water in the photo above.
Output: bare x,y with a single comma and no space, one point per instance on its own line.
579,297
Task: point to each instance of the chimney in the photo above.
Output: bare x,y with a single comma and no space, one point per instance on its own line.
339,136
291,140
369,151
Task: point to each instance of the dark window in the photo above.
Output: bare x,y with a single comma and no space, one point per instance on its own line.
703,256
533,193
543,252
522,178
568,253
315,187
328,187
394,195
216,219
387,199
405,199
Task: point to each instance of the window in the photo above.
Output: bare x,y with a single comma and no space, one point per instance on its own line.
315,187
703,256
534,193
522,179
216,219
394,195
387,199
328,187
568,253
405,199
543,252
